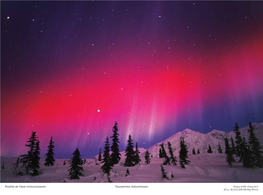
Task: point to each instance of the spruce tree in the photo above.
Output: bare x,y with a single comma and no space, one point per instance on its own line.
49,161
229,157
247,155
99,159
239,144
209,149
193,151
29,160
107,165
147,157
76,165
256,152
198,151
233,148
183,153
115,155
164,176
137,155
35,160
220,149
130,154
163,151
172,157
160,153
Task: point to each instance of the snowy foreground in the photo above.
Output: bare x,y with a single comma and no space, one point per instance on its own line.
203,168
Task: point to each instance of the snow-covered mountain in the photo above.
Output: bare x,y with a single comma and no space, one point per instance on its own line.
194,139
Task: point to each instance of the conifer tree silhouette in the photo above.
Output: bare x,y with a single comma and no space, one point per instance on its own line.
229,157
129,153
147,157
107,166
76,165
115,155
247,155
164,175
233,148
209,149
137,155
99,159
49,161
35,160
160,153
256,152
163,151
172,157
194,151
239,149
198,151
29,160
183,154
219,149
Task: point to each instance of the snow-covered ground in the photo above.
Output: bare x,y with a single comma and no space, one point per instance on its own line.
203,168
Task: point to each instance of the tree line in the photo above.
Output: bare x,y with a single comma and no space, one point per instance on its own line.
250,154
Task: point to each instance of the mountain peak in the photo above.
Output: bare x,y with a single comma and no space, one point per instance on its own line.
216,131
188,130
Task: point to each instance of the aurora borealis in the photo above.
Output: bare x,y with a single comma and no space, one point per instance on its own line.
71,69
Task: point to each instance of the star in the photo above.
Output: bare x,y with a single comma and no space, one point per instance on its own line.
98,110
7,17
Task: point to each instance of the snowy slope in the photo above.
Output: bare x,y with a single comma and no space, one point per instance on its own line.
203,168
201,141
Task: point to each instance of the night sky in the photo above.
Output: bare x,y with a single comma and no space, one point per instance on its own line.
71,69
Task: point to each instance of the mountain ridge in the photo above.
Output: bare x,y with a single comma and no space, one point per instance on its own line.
197,140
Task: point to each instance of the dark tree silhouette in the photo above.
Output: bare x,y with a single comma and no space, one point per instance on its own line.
166,161
137,155
220,149
193,151
256,153
64,163
49,161
246,155
127,172
198,151
172,157
239,144
147,157
166,158
29,160
229,157
130,154
183,154
164,176
35,160
99,159
233,148
209,149
76,165
163,151
115,155
107,165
